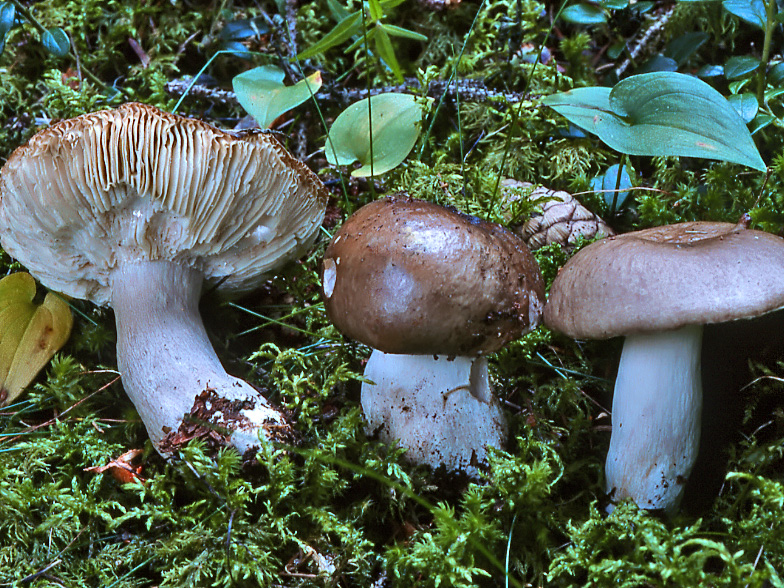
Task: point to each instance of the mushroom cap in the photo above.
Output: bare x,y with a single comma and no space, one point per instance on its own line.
665,278
411,277
136,183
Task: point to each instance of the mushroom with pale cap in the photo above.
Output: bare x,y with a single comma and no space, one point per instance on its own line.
432,291
139,208
658,287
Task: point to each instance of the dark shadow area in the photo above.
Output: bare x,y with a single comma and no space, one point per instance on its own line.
726,351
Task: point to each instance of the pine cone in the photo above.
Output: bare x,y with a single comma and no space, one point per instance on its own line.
562,218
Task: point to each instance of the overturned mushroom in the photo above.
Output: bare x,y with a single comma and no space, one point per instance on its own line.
138,208
658,287
432,291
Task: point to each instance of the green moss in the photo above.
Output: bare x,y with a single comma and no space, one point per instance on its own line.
339,508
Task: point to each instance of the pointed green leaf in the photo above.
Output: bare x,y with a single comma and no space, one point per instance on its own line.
262,94
375,10
396,125
396,31
661,113
56,42
360,40
343,31
739,66
387,52
385,4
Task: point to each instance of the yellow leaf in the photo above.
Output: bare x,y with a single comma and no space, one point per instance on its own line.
29,334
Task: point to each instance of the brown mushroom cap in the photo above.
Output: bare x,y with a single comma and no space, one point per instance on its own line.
411,277
666,278
136,183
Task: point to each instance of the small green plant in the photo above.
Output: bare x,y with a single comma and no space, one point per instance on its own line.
661,113
55,40
365,26
261,92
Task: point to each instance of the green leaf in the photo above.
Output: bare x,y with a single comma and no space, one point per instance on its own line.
750,11
375,10
337,10
683,47
343,31
261,92
56,42
396,31
745,105
584,14
609,181
360,40
761,121
387,52
739,66
776,74
395,120
658,63
7,15
661,113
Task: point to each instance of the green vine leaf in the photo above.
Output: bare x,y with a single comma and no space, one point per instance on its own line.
261,92
661,114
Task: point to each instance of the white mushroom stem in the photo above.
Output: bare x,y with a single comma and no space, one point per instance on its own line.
441,410
656,418
167,362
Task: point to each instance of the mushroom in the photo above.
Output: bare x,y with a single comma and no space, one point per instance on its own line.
658,287
139,208
432,291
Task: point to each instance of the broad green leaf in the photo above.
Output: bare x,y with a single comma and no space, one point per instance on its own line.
683,47
584,14
29,334
343,31
739,66
7,15
261,92
615,4
745,105
658,63
751,11
395,120
776,74
661,113
56,42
